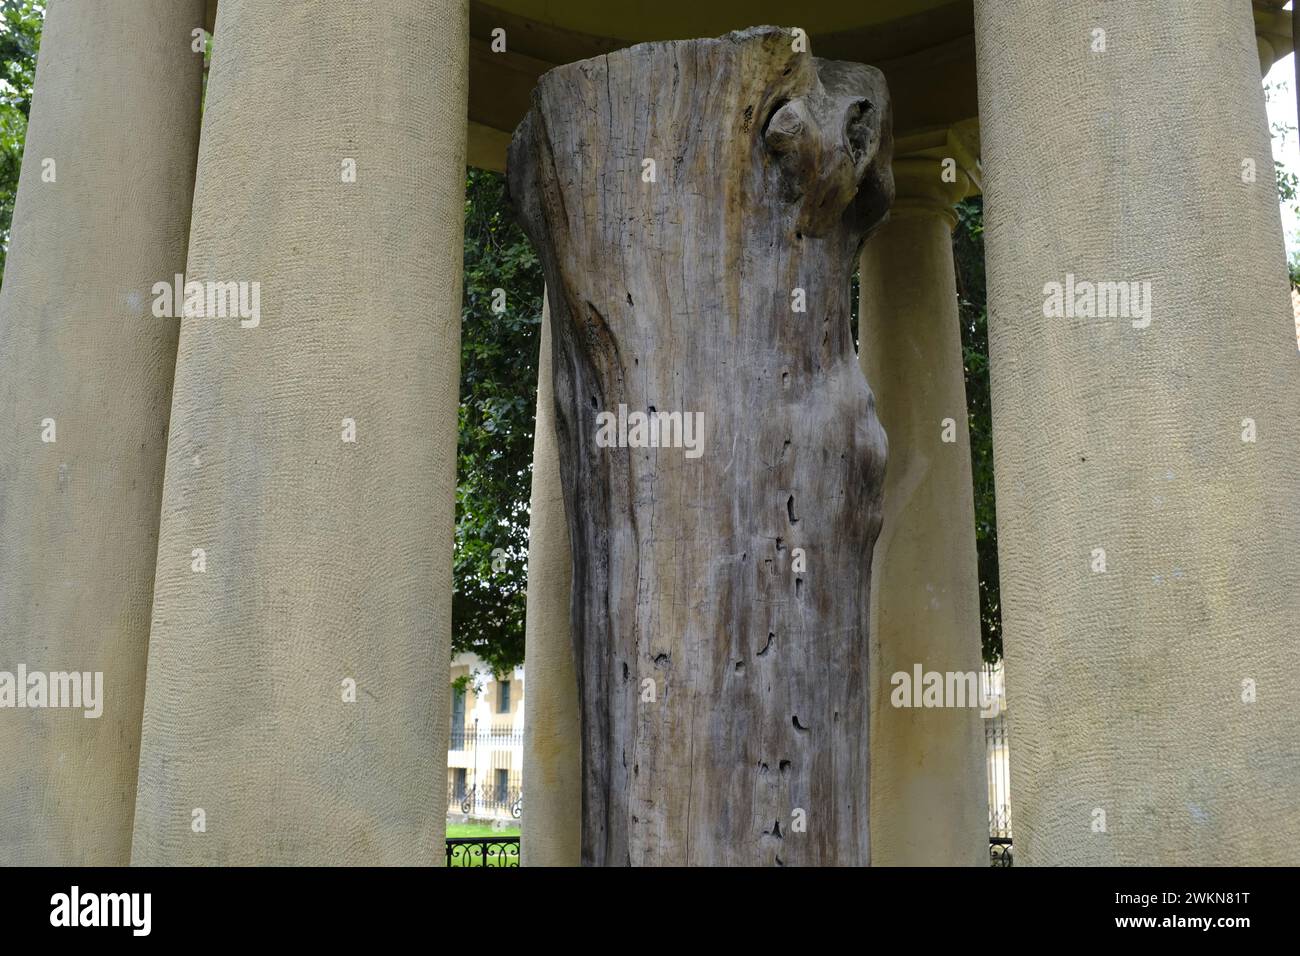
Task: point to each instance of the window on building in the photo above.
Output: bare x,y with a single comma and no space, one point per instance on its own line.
503,786
503,697
461,783
457,718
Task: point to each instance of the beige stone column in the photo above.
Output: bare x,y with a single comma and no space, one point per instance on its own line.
928,791
298,668
85,381
552,821
1148,493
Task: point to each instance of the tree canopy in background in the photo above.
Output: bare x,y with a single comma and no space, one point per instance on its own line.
1288,183
498,394
20,37
968,257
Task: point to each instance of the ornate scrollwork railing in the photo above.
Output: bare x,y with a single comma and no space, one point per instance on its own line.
1000,852
483,851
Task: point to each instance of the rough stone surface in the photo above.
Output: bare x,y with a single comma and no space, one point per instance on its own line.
678,295
551,827
325,560
1130,741
929,798
117,110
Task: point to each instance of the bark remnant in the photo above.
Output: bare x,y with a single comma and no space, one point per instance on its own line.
698,207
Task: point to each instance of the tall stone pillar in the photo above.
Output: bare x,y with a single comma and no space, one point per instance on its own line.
929,803
296,708
552,820
85,381
1146,434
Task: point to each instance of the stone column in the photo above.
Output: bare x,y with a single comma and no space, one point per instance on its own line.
552,820
296,709
1146,438
929,803
85,381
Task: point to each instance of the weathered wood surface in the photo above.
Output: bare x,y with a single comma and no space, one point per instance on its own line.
679,295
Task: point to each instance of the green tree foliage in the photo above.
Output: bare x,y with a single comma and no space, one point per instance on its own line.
1288,191
20,37
1288,183
498,392
968,255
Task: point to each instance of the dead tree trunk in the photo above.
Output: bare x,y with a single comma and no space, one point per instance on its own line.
698,207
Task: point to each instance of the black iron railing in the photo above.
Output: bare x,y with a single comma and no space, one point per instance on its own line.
485,779
504,851
468,738
483,851
997,760
1000,851
499,797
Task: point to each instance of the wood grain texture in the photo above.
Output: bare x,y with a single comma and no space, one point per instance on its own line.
676,296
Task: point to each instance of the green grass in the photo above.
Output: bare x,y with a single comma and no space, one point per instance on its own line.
478,830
